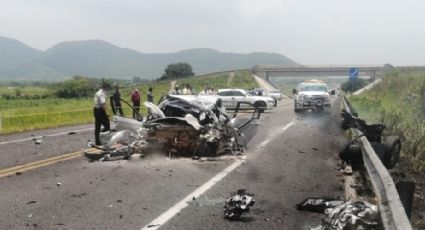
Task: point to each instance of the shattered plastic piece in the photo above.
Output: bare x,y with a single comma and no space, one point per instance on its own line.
318,204
58,184
237,204
37,142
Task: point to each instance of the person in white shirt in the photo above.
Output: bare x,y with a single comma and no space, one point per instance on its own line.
187,90
99,111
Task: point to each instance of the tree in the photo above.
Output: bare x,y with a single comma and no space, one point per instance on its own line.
353,85
77,87
177,70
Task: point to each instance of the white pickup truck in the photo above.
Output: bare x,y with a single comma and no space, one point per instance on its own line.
312,94
231,97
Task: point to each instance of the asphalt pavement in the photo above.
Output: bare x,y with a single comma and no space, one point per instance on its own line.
290,157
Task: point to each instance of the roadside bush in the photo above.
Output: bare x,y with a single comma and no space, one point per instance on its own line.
353,85
399,103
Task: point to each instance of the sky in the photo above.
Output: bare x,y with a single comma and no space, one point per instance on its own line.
310,32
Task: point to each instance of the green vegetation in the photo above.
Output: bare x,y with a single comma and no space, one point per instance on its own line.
36,112
177,70
353,85
399,103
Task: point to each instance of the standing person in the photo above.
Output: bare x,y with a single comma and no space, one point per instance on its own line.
150,95
116,99
187,90
176,90
204,91
99,111
135,98
213,92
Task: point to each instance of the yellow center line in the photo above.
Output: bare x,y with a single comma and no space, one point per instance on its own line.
38,164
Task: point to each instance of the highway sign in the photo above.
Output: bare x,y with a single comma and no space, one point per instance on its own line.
354,73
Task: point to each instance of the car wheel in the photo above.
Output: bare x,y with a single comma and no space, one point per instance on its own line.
260,106
392,153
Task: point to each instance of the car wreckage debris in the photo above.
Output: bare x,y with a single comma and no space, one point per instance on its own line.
343,215
183,125
318,204
237,204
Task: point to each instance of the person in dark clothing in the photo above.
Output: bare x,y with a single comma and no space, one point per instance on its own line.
135,98
150,95
100,116
116,98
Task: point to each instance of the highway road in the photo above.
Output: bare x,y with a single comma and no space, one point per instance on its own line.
290,157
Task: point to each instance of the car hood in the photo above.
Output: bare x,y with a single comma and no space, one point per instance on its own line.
263,98
311,93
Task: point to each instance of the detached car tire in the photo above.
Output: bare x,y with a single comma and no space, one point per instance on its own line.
392,153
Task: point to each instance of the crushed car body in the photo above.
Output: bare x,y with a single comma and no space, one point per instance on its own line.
185,125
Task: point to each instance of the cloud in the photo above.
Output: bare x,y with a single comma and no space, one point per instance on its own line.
309,31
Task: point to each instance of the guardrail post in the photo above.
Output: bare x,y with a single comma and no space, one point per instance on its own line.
406,190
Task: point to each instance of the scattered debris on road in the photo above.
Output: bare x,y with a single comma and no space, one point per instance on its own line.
32,202
38,141
318,204
237,204
72,133
339,215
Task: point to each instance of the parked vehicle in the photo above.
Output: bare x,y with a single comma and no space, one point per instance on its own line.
312,94
231,97
276,94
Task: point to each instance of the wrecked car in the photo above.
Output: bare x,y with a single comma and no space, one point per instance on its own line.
386,147
185,125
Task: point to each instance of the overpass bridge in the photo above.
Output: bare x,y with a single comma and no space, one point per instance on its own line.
267,71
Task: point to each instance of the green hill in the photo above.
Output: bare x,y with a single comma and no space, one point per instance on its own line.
97,58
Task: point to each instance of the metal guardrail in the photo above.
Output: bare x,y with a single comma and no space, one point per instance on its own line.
392,212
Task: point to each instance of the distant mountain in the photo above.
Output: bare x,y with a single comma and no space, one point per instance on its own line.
97,58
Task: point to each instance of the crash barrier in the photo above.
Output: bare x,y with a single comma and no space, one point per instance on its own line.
391,210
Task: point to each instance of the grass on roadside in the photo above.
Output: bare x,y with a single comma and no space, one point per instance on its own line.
18,115
399,103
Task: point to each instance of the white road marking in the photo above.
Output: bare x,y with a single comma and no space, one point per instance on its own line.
39,137
171,212
274,135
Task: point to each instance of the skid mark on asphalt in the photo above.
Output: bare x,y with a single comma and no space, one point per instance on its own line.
39,137
173,211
